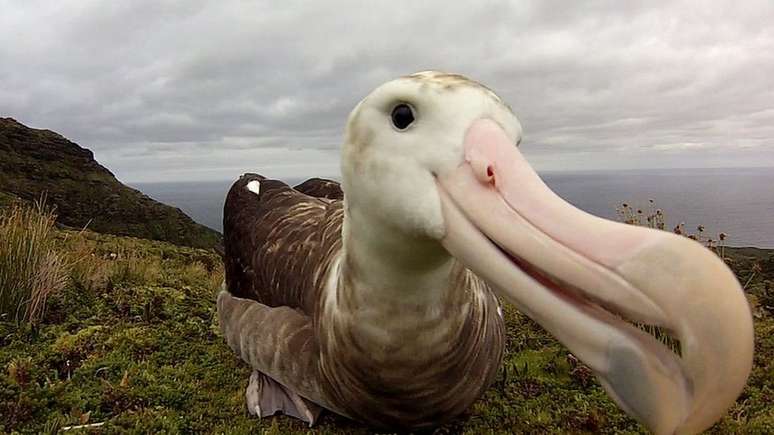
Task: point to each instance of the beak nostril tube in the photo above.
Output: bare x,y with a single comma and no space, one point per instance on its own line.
482,167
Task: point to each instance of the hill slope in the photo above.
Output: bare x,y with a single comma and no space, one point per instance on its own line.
84,192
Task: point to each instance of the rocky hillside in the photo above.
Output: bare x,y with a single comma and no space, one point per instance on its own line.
85,193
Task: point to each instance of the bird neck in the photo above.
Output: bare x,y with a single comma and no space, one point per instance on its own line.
392,297
382,262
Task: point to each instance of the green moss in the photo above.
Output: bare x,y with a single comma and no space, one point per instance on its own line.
144,355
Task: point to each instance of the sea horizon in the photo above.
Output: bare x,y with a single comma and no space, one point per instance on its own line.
738,201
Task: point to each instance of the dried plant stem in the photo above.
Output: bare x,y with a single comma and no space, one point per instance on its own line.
30,268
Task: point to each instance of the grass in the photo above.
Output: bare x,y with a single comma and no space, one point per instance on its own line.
132,341
31,269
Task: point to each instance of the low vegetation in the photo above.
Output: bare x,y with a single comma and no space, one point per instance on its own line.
654,217
131,344
30,268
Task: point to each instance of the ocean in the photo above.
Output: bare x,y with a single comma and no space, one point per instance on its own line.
738,201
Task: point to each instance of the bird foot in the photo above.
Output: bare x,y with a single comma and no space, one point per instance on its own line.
266,397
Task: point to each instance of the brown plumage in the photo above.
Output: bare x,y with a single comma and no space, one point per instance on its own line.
281,247
320,188
279,242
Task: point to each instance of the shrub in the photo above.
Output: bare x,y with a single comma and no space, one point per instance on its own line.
88,271
134,269
653,217
197,273
30,268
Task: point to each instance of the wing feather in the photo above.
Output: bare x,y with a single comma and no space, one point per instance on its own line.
279,241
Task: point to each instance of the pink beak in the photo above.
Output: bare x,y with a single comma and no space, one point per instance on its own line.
580,276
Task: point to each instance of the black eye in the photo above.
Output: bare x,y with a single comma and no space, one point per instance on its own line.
402,116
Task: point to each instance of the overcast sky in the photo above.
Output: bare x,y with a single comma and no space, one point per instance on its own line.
191,90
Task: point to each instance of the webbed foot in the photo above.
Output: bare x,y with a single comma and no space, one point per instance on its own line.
266,397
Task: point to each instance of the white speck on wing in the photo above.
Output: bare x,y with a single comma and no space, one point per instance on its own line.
254,186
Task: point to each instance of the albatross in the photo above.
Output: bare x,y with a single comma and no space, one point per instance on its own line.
378,299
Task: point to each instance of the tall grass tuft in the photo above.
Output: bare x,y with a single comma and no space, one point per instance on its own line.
30,268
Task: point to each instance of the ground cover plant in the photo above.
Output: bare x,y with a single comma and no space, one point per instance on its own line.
130,344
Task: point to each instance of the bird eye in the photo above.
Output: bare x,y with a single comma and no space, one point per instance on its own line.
402,116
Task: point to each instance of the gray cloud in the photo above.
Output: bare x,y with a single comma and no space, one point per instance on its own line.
193,89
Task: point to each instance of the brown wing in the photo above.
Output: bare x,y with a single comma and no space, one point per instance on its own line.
321,188
279,242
